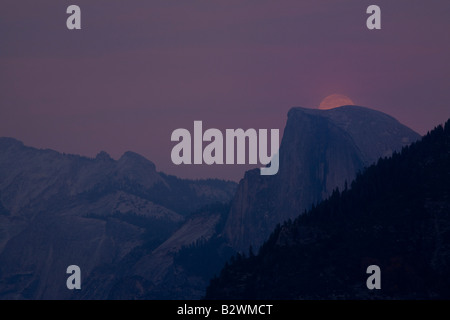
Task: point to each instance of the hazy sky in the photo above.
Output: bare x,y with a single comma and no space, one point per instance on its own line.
140,69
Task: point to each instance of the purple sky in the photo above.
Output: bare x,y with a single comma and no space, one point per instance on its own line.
140,69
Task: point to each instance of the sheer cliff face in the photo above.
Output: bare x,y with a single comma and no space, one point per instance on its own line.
396,216
320,150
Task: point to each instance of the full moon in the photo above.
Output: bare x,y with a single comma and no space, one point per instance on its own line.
334,101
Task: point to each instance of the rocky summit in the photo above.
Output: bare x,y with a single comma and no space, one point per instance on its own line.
320,151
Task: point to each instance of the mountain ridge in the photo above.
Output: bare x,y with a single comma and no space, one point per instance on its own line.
57,210
132,229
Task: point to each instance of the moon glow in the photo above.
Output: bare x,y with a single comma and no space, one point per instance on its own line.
334,101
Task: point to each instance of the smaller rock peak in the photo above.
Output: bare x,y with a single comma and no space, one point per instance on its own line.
133,158
103,156
7,142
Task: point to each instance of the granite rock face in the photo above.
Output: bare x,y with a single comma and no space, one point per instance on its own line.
394,216
320,151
